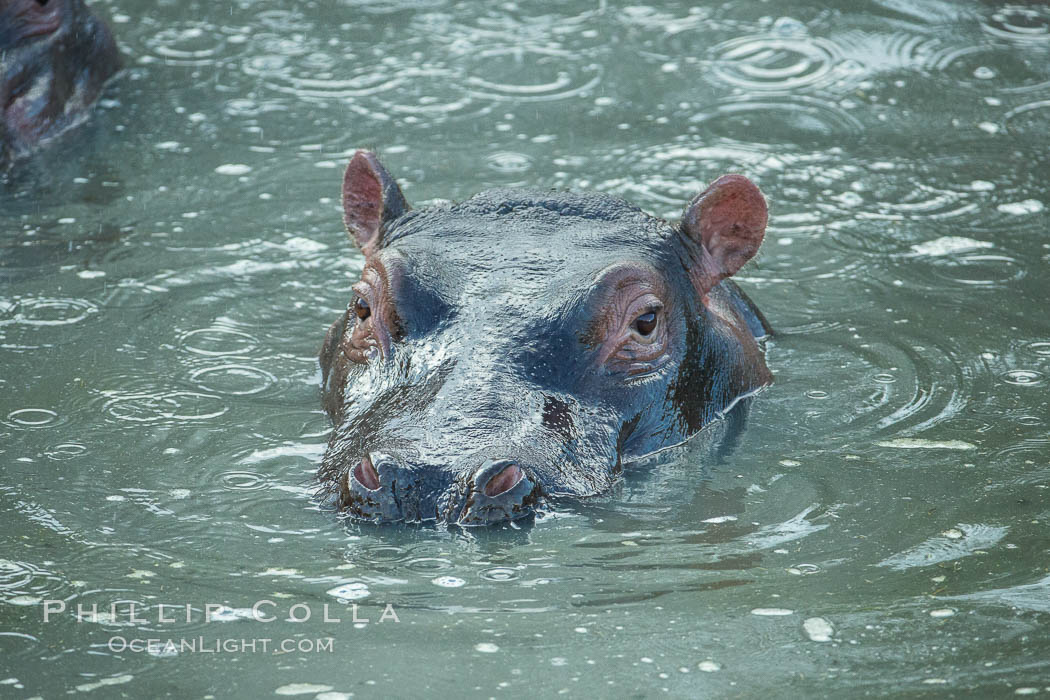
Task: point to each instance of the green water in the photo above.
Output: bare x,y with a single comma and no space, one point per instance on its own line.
168,272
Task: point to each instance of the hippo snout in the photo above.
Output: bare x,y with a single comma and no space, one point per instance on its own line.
385,489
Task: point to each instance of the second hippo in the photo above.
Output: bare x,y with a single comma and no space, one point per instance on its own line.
55,57
524,345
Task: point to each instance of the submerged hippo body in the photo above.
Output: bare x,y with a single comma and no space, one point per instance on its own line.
523,345
55,57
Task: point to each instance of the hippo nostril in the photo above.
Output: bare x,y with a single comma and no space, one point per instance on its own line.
366,474
504,481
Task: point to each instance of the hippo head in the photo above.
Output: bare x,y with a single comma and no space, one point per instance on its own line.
55,57
522,345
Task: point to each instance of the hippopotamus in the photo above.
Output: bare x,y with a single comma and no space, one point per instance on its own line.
55,57
520,347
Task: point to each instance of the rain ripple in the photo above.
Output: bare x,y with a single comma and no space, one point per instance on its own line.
776,63
554,74
1016,22
799,121
881,382
24,320
1028,121
31,418
989,68
25,583
233,379
481,62
195,43
218,340
166,407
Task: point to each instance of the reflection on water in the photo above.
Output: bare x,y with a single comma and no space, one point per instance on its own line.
168,271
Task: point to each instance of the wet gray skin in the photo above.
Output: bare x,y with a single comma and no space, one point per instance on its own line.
524,345
55,57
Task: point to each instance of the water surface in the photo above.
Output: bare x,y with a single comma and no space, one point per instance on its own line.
167,274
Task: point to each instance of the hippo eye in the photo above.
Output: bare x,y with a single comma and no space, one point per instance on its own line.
645,324
362,309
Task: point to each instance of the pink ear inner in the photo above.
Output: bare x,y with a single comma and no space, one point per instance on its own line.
363,200
729,219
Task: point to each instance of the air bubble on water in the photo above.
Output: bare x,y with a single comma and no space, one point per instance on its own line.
103,682
448,582
1028,206
227,614
486,647
804,569
772,612
818,629
162,651
919,444
233,169
350,591
788,26
300,244
709,666
942,612
302,689
948,245
849,199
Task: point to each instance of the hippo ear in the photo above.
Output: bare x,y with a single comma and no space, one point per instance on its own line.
728,219
371,200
